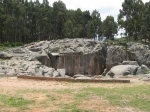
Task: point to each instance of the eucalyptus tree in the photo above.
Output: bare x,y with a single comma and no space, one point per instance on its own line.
109,27
32,20
1,21
96,19
130,17
90,29
59,18
68,29
146,21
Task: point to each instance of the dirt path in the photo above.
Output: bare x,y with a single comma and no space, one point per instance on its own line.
11,85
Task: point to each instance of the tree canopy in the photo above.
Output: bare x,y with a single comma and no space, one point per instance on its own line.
133,18
30,20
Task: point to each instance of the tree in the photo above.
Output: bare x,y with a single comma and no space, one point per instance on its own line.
59,18
109,27
146,21
90,29
1,21
68,29
130,17
96,19
29,20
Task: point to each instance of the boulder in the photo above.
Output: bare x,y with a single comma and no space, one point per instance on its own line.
77,56
105,72
122,70
35,49
62,72
66,76
115,56
98,76
18,50
78,78
142,70
44,59
130,63
49,74
139,52
5,55
56,74
23,73
78,75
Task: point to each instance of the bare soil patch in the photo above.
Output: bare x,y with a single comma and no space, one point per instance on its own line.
51,96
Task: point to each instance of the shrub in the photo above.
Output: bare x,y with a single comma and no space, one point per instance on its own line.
19,44
6,44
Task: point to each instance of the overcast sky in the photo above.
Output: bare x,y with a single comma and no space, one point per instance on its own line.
105,7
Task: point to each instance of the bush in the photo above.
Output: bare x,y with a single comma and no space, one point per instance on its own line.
1,45
12,45
122,41
6,44
19,44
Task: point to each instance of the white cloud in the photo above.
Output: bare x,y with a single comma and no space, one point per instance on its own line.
105,7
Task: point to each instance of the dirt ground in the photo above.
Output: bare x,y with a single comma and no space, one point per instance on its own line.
11,85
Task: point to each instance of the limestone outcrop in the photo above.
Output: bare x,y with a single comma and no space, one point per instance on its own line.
115,56
69,57
76,56
139,52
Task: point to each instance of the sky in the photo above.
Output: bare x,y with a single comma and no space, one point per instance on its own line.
105,7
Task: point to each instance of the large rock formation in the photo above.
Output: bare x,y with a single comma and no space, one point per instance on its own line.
76,56
115,56
139,52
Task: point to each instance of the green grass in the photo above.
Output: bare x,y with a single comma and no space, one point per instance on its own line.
24,91
13,101
73,107
73,110
72,99
137,97
64,91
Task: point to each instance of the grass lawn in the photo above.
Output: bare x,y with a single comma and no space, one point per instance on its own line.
73,97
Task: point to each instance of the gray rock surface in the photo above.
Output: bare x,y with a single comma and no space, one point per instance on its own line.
105,72
139,52
142,70
5,55
56,74
130,63
62,72
122,70
115,56
17,66
77,56
85,77
58,58
78,75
